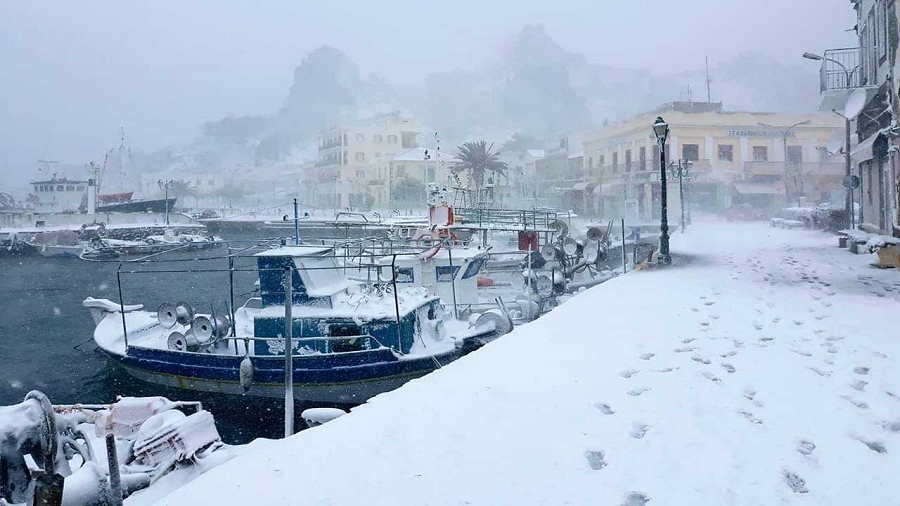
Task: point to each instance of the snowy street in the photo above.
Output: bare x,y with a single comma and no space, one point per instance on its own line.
757,370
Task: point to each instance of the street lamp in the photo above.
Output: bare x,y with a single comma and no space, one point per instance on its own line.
848,196
166,185
784,138
661,130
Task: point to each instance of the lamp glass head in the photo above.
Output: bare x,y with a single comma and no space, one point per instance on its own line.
660,129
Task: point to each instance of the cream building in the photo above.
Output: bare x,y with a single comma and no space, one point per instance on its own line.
354,160
736,157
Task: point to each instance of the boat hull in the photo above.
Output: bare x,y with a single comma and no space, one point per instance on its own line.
336,378
138,206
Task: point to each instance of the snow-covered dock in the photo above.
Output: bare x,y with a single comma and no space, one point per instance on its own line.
760,369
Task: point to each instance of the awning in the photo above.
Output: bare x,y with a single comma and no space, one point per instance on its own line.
758,189
864,150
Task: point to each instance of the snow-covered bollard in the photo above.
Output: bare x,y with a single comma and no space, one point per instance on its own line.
318,416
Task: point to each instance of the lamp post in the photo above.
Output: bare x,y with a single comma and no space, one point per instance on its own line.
661,130
682,170
848,195
784,137
164,185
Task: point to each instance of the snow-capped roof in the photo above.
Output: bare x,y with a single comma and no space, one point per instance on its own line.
536,153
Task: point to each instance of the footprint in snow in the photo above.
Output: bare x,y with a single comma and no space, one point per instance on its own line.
776,319
795,482
639,430
704,324
685,349
700,360
647,356
710,303
664,369
802,352
858,403
891,426
635,392
636,499
688,340
749,416
861,370
757,326
628,373
605,408
798,322
820,372
728,368
879,354
711,377
875,446
714,316
859,385
695,309
766,339
806,447
728,354
595,459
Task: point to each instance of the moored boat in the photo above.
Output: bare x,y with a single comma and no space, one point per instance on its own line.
350,340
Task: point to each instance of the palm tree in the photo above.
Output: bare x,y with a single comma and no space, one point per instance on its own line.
477,158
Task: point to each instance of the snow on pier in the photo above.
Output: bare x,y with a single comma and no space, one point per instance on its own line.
760,369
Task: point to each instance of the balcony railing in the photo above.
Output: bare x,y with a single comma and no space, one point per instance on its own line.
847,68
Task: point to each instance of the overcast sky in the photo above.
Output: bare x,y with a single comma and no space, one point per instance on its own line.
73,74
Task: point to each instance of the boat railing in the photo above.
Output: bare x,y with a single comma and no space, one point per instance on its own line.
310,338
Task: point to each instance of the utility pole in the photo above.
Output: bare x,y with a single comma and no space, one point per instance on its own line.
708,92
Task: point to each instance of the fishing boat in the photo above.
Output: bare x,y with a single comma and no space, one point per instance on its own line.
348,340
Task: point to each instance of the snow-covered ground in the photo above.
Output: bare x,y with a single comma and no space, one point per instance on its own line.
760,370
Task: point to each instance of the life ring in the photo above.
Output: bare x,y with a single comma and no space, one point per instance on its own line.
101,230
432,239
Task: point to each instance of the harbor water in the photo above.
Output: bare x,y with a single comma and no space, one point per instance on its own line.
46,334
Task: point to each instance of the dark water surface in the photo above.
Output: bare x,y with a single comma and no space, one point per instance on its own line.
42,321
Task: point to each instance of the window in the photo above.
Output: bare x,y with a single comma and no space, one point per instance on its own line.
431,176
615,161
726,153
359,157
795,154
401,170
60,188
80,188
642,158
377,155
760,153
881,28
590,162
360,138
211,182
378,138
406,275
627,160
473,268
70,188
602,160
360,174
691,152
392,139
444,274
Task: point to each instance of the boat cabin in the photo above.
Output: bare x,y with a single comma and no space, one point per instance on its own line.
442,273
330,314
58,195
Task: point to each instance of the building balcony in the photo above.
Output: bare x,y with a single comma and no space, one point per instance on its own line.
847,69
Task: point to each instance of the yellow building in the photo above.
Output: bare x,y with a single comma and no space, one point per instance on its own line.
736,157
353,160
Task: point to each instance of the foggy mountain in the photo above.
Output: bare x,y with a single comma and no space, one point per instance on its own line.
536,88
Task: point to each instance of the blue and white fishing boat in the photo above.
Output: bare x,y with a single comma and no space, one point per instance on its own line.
350,340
